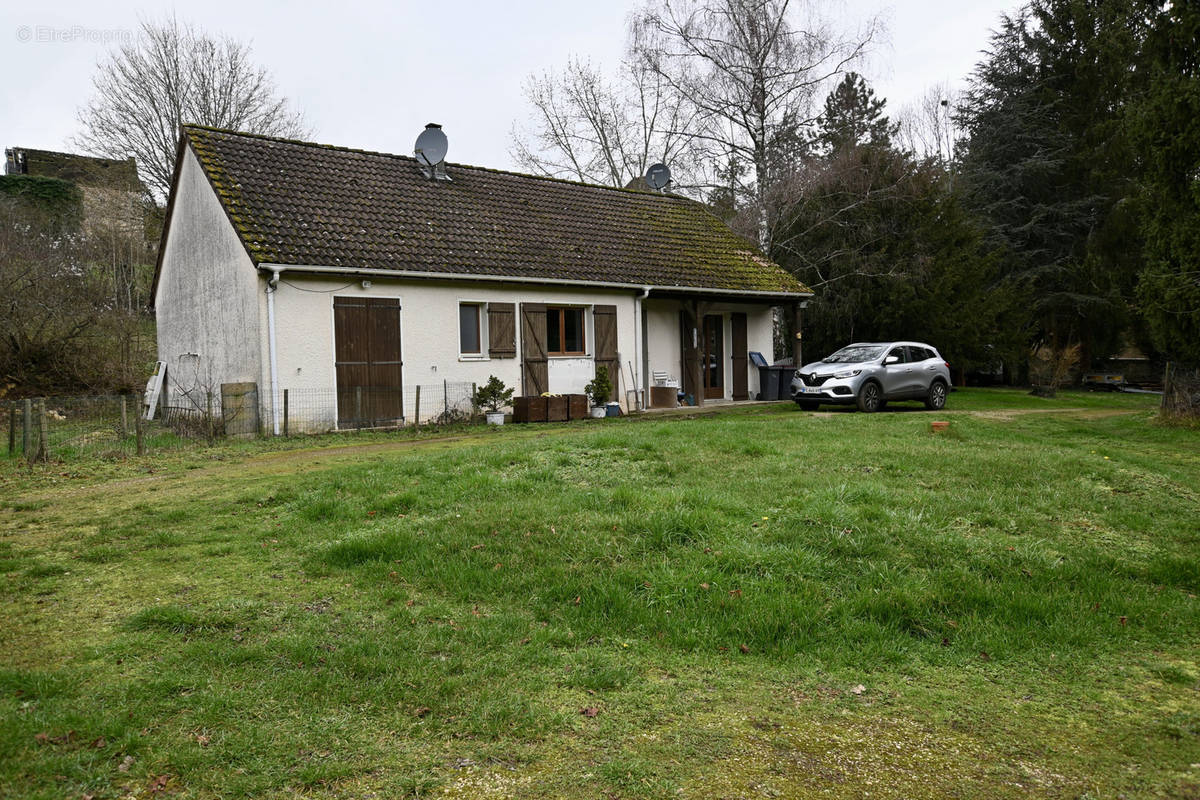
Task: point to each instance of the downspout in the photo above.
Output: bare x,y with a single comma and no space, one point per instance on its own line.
272,287
639,348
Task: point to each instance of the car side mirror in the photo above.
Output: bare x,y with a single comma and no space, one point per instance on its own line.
891,360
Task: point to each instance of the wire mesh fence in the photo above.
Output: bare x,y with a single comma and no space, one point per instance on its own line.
308,410
114,426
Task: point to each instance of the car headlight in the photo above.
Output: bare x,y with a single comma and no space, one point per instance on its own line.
848,374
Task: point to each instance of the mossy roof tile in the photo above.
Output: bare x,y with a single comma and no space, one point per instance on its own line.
317,205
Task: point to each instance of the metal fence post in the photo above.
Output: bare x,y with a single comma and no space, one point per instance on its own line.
124,416
12,428
26,427
208,419
446,399
358,417
285,413
417,407
141,443
43,448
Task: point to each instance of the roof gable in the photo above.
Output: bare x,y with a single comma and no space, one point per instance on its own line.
297,203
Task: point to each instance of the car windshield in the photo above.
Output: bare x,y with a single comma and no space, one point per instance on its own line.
854,354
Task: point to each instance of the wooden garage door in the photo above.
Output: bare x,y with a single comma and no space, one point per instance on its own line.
366,333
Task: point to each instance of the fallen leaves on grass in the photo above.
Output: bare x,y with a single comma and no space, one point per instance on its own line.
859,689
589,711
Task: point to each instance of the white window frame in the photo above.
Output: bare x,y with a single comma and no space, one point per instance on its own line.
482,305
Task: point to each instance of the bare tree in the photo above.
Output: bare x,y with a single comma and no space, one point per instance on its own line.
927,125
172,74
752,71
589,128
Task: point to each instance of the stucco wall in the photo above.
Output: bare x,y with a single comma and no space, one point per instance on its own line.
429,332
207,302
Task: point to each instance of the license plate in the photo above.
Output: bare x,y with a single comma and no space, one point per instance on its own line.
810,390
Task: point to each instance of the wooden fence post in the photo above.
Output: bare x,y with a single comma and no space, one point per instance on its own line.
417,407
43,448
285,413
26,427
12,428
124,416
141,442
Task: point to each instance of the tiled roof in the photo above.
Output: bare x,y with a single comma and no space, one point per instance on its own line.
296,203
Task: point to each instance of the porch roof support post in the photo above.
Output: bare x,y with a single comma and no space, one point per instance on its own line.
797,333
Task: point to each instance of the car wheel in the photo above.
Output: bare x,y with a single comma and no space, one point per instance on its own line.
936,399
870,397
807,405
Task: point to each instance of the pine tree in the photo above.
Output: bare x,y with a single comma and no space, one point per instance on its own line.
853,117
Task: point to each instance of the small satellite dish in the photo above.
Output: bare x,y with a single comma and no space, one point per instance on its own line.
658,176
431,145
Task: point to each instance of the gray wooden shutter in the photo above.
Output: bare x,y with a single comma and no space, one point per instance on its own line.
502,330
534,368
604,320
739,357
689,354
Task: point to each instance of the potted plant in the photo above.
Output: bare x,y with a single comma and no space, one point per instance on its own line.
493,395
600,389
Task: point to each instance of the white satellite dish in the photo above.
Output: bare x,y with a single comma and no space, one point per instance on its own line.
658,176
431,146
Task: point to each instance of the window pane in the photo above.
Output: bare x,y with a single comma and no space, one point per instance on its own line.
468,328
553,333
573,330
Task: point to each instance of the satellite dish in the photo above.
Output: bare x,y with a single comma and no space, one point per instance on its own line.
431,145
658,176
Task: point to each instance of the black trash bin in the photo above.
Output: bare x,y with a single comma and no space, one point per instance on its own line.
768,377
768,383
783,382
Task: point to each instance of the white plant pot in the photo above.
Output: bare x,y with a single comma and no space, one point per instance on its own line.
495,418
599,411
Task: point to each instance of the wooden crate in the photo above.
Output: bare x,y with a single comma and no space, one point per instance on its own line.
663,396
577,406
556,409
529,409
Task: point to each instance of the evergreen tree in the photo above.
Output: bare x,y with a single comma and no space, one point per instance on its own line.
1047,165
1166,127
853,117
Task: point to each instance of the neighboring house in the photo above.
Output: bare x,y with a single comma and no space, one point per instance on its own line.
315,269
111,190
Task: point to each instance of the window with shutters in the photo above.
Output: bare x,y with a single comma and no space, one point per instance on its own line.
565,331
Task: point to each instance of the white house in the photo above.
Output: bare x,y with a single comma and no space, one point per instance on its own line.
328,271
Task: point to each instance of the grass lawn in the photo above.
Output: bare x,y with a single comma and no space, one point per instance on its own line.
755,603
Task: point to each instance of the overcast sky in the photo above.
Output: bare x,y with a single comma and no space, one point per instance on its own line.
370,75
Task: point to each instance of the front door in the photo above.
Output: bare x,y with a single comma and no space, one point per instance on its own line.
712,362
366,333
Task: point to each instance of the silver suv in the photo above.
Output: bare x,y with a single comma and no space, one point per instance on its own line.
871,374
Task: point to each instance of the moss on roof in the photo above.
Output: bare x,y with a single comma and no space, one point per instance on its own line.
300,203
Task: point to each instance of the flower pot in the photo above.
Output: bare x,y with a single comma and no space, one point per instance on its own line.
495,418
599,411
